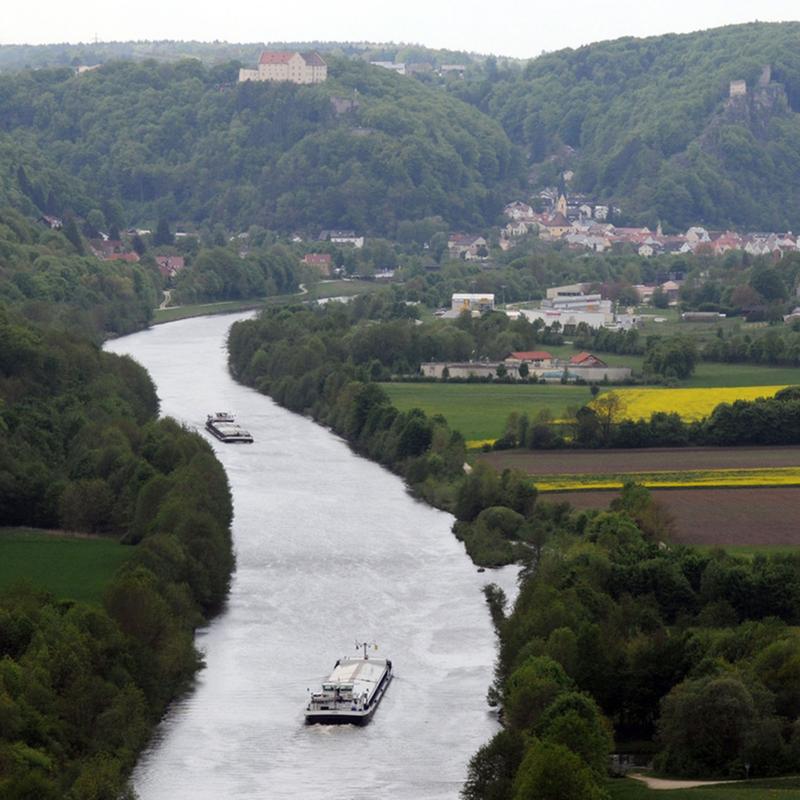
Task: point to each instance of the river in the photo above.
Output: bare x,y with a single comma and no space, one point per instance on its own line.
330,548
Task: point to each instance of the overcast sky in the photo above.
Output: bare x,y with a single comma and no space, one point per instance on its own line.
515,29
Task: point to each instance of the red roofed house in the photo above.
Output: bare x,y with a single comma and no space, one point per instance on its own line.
168,266
321,261
535,358
586,360
287,65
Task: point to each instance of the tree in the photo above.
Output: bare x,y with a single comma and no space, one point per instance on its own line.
610,410
74,236
524,371
163,235
553,772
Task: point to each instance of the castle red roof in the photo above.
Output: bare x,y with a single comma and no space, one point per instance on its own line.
276,56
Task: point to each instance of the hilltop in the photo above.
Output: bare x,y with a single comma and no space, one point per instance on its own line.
651,123
366,149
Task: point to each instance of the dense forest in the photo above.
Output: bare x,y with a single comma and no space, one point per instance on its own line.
81,449
181,141
81,686
648,123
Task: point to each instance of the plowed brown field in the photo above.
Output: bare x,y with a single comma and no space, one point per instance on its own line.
601,462
725,517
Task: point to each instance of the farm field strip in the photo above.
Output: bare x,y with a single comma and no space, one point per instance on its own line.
682,479
691,404
656,459
743,517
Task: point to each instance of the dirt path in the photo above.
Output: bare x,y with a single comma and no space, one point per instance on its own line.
665,783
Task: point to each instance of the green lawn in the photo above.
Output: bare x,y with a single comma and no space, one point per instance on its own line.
69,567
707,374
480,410
777,788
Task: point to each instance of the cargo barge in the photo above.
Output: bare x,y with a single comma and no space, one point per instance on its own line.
225,428
351,692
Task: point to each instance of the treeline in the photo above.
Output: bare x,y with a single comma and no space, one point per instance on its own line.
324,362
81,686
43,275
603,423
645,122
220,273
615,634
185,142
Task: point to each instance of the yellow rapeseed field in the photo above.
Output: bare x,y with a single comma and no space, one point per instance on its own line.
691,404
766,476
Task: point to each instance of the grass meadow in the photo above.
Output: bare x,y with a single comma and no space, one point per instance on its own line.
479,410
66,566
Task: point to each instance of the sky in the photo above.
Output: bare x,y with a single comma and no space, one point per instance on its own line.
521,30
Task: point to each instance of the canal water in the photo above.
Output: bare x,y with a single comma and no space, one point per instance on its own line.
330,548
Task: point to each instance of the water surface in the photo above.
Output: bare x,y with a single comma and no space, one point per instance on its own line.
330,548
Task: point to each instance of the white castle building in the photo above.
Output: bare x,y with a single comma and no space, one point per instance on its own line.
286,65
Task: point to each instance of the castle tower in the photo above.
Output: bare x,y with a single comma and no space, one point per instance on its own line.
561,205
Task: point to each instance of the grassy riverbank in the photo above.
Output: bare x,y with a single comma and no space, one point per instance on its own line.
67,566
777,788
319,291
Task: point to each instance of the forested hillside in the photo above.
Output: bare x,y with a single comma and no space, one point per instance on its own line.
42,274
180,141
648,124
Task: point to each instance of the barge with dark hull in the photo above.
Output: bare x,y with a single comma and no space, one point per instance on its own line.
351,692
224,427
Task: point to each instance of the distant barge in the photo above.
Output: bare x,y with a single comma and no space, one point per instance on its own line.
352,691
224,427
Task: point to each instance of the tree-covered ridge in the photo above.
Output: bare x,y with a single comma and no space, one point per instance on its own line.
27,56
82,686
651,126
188,143
42,274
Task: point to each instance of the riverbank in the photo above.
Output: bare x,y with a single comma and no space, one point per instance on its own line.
317,291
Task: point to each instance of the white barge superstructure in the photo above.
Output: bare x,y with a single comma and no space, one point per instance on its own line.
225,428
351,692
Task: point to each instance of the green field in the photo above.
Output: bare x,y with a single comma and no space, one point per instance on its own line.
777,788
479,410
709,374
318,291
67,566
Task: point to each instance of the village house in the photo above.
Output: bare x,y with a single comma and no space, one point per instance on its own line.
169,266
54,223
586,360
341,237
518,211
535,359
322,262
555,227
287,65
467,246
